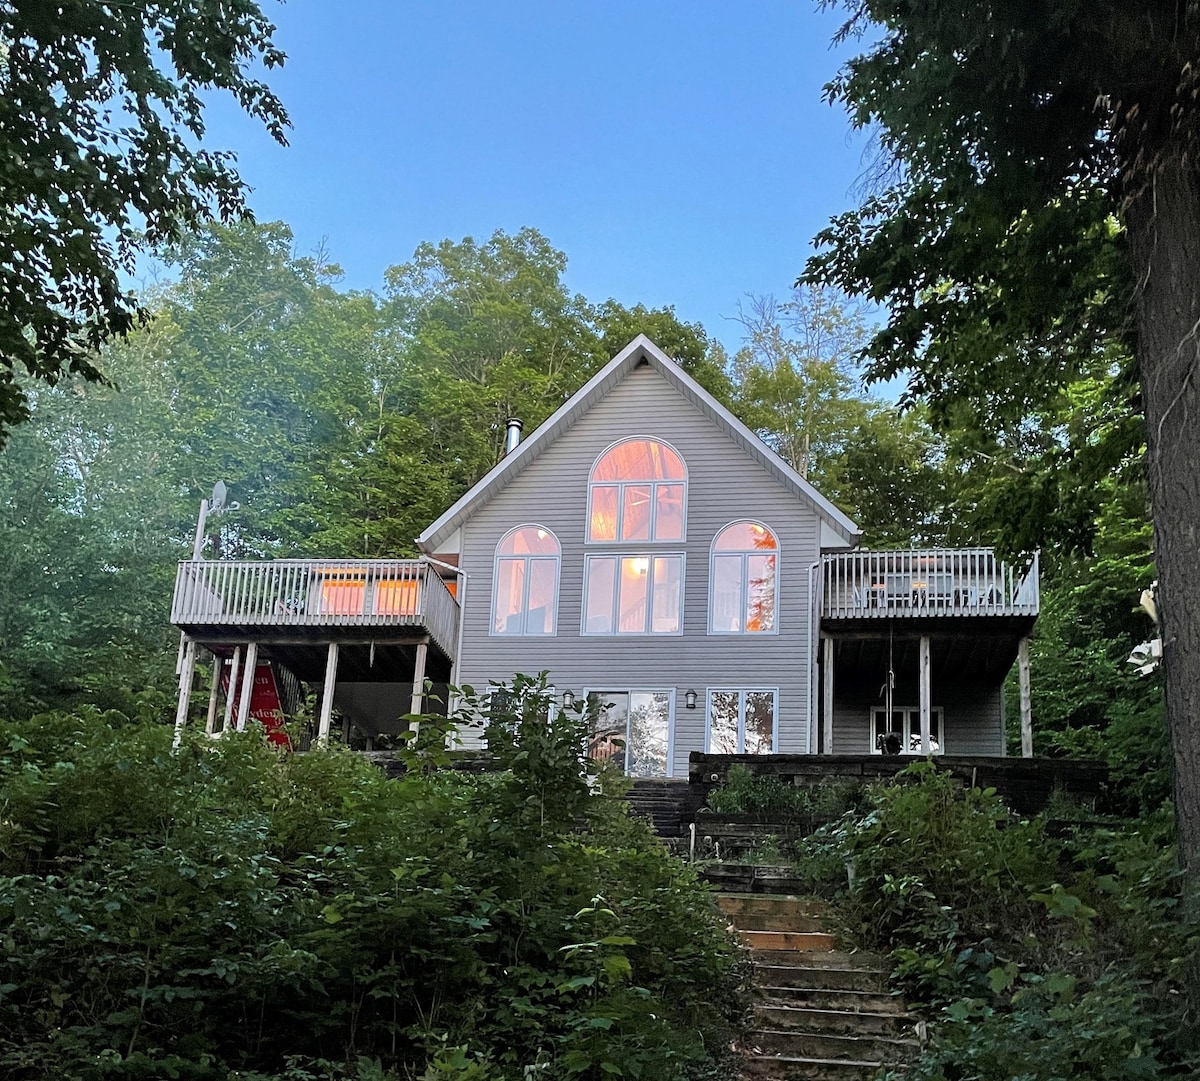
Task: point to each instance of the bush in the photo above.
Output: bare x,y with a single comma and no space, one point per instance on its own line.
230,909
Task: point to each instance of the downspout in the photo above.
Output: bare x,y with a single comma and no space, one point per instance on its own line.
816,591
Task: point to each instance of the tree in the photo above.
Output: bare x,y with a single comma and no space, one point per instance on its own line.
100,111
1041,198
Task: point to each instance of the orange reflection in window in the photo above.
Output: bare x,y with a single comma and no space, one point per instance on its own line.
640,459
343,596
396,597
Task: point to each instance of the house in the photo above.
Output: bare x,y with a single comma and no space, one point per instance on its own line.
651,553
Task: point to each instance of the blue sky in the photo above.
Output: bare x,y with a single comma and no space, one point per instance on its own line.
678,153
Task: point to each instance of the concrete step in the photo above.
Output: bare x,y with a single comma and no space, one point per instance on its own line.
788,941
821,1045
789,1018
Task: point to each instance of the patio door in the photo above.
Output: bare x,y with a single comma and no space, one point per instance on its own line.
633,729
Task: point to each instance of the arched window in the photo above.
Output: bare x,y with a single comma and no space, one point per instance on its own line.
742,585
637,492
525,593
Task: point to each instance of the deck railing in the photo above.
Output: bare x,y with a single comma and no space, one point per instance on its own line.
926,582
316,593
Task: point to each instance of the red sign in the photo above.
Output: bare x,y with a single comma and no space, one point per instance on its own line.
265,706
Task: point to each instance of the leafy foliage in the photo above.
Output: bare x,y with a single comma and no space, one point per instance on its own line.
102,105
229,908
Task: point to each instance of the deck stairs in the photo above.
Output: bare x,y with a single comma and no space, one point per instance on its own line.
821,1013
664,802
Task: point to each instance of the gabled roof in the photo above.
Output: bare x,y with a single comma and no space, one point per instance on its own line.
640,350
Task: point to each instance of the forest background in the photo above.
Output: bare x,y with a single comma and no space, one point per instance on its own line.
344,421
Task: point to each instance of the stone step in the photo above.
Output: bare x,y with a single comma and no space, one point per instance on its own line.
788,941
825,998
789,1018
821,1045
789,969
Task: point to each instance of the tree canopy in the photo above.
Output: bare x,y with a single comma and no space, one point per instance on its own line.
101,117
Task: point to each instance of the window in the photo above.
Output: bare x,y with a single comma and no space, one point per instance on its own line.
741,721
744,569
525,590
906,729
633,594
633,730
637,492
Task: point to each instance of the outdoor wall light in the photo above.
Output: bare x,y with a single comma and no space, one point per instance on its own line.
568,699
689,699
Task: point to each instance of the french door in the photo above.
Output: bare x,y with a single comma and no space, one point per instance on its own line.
633,730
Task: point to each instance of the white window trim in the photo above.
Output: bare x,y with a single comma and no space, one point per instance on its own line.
712,579
497,557
912,715
670,691
620,485
618,555
741,692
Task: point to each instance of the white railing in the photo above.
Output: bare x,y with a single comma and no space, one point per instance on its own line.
316,593
924,582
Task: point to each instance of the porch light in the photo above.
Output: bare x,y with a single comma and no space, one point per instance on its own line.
689,699
568,699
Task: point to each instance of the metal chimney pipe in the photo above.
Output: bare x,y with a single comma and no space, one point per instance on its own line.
513,435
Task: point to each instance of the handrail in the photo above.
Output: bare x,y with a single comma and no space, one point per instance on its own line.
316,593
927,581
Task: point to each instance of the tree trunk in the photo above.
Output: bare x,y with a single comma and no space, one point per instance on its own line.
1163,223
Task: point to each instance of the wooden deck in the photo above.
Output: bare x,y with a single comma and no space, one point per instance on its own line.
923,583
306,598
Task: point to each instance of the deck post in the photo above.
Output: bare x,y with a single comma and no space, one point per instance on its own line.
210,722
1026,704
925,682
187,670
248,673
418,685
827,698
231,688
330,685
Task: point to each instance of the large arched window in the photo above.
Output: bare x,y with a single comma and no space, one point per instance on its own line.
743,582
637,492
525,593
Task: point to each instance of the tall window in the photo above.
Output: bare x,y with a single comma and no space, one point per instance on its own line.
633,730
744,568
525,594
741,722
640,594
637,492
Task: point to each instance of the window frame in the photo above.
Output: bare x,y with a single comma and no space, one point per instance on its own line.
742,693
527,559
622,484
745,554
912,727
614,608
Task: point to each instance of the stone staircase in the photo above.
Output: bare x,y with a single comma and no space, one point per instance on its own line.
667,803
821,1014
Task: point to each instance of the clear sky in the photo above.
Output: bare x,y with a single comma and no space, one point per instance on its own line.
678,152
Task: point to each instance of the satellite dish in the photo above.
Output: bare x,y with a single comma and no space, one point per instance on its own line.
219,492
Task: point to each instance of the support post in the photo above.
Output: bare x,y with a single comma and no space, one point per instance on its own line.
418,686
248,674
1026,702
210,724
187,670
827,698
925,691
327,689
231,690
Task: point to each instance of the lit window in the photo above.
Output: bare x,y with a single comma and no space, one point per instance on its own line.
744,570
633,594
741,722
525,593
637,492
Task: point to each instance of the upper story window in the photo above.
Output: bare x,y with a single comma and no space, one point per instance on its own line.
525,591
743,582
637,492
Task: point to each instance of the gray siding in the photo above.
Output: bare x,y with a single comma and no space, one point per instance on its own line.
971,714
724,484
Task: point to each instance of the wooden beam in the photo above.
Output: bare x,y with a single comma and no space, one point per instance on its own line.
231,690
327,690
249,670
210,723
827,698
1026,700
925,683
418,685
187,670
